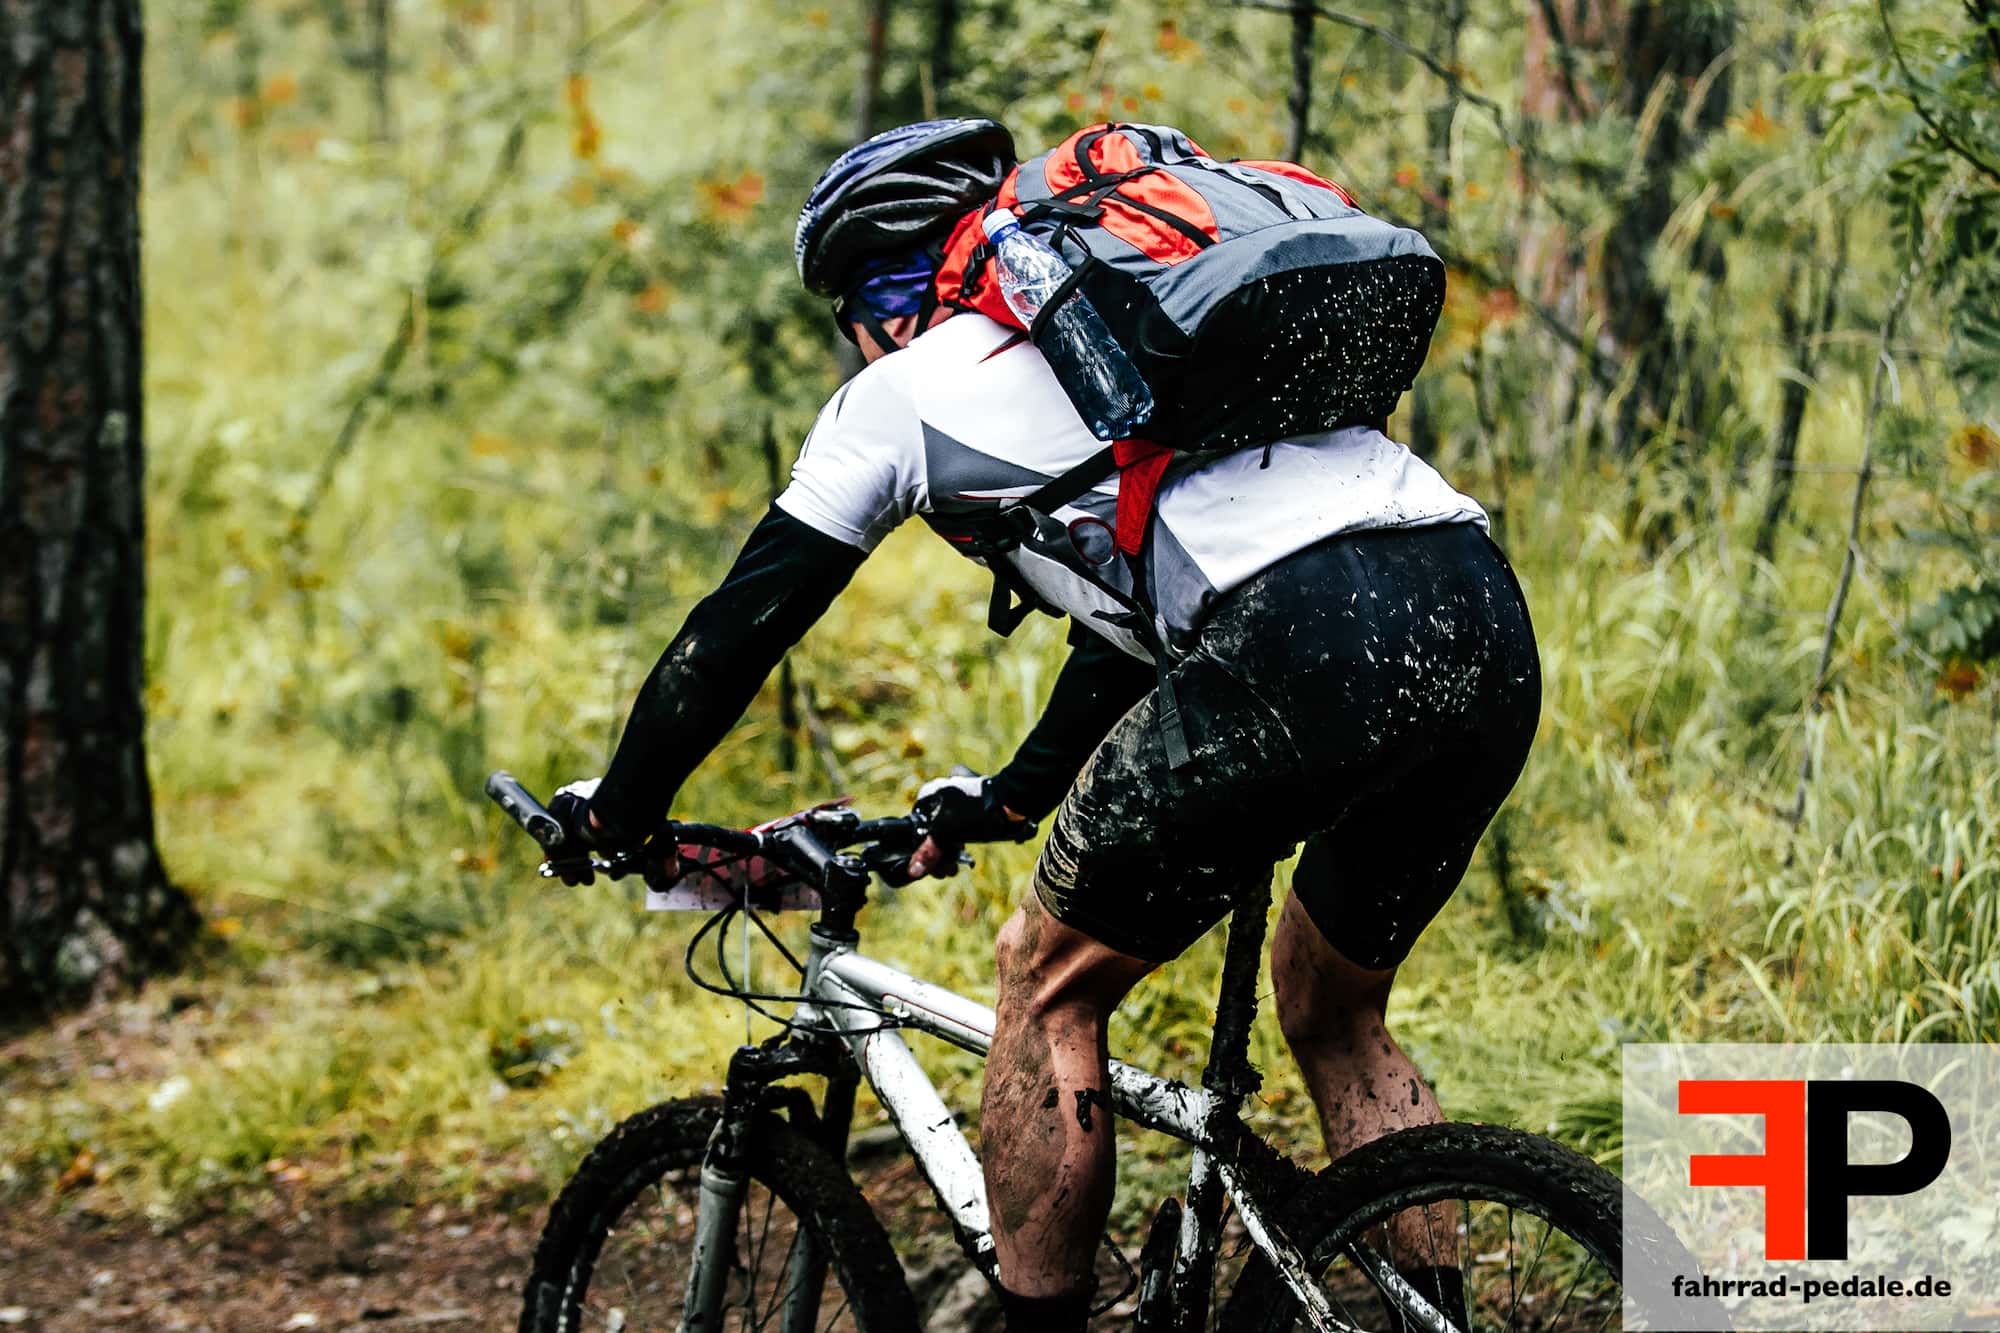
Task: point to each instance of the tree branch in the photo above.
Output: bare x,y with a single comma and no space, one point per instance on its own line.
460,230
1565,57
1851,555
1944,136
1415,52
616,29
1981,13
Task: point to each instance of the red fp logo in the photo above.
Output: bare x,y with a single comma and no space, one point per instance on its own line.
1803,1170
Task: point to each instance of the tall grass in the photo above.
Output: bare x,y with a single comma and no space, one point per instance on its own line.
492,568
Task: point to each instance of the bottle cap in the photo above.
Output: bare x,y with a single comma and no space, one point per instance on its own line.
998,221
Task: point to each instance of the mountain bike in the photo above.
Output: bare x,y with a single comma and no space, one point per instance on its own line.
737,1212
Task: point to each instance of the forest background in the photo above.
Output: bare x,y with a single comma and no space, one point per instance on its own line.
474,348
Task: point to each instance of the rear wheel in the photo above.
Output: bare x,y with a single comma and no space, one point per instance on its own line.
617,1250
1533,1228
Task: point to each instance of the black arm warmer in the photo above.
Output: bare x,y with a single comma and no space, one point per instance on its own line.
783,580
1096,687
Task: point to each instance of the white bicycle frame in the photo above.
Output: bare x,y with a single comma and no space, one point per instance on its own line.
837,974
853,995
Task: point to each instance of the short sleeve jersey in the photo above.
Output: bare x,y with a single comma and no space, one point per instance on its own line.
969,417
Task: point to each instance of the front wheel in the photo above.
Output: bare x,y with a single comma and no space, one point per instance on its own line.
1531,1229
615,1256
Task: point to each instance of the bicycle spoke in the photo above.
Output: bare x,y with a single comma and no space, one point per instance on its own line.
1555,1320
757,1265
838,1312
779,1300
1513,1292
1465,1251
1436,1294
1528,1277
793,1279
1346,1315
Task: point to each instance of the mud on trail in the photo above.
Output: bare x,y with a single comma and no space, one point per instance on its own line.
312,1264
305,1269
349,1270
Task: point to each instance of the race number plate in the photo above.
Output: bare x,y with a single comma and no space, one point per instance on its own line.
711,881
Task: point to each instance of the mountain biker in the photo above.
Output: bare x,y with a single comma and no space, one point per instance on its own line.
1354,666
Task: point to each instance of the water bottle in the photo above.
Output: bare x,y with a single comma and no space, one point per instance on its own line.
1102,383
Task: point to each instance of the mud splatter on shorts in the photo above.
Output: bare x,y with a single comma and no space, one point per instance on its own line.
1373,696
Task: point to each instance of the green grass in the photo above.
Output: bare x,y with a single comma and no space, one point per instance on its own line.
538,499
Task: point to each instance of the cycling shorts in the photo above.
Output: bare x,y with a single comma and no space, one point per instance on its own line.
1372,696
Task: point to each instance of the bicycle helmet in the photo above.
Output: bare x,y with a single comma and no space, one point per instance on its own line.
896,191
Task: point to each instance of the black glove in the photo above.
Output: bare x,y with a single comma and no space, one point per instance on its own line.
571,808
963,808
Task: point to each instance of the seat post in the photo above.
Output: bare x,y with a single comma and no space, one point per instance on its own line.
1229,1071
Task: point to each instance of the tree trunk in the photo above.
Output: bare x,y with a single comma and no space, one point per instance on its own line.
868,89
1666,52
867,94
382,120
1302,80
85,904
1448,24
1641,49
944,47
1803,326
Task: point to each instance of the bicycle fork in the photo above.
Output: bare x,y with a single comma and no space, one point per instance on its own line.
725,1178
717,1215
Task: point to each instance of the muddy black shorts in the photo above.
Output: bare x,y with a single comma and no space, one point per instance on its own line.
1372,696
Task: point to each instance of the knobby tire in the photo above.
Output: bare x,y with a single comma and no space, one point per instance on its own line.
674,1135
1442,1163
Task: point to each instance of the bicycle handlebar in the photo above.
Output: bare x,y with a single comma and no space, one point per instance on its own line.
528,812
807,844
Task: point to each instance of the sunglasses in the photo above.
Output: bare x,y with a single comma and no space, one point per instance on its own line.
883,294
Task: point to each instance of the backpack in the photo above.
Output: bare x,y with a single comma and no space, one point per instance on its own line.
1257,301
1255,298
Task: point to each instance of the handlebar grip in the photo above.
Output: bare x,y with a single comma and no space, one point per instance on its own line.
526,811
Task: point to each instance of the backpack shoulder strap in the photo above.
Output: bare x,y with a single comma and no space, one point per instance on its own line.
1074,482
1140,614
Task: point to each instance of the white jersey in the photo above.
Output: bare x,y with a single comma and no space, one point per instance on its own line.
969,417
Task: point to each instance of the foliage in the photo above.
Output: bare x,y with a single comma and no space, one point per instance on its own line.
344,637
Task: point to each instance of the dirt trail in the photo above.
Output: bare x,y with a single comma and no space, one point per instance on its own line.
306,1270
309,1265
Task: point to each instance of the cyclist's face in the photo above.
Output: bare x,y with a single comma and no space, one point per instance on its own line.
900,329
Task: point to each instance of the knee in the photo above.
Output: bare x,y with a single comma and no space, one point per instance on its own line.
1012,951
1044,968
1022,968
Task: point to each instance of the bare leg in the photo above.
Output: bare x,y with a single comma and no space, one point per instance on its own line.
1332,1013
1045,1116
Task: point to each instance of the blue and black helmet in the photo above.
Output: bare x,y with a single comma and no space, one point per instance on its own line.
898,190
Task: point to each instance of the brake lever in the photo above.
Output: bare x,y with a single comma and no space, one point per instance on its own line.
893,864
616,868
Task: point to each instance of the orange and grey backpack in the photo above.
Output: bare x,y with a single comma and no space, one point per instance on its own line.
1254,297
1258,302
